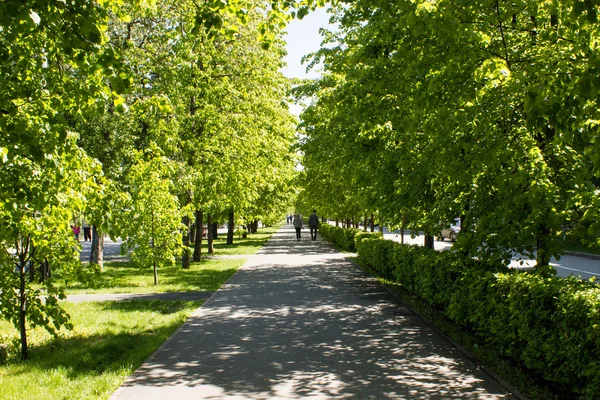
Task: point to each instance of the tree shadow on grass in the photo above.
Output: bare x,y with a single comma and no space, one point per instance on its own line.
203,276
114,349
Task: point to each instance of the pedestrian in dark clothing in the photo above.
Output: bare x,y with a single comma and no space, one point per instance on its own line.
298,226
313,224
87,231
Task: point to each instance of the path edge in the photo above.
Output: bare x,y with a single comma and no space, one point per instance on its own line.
128,382
470,356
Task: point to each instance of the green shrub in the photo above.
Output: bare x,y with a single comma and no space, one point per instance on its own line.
343,237
366,235
549,325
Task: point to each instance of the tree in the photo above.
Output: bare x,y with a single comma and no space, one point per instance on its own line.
150,220
476,109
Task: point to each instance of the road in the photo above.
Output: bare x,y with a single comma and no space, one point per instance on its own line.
567,265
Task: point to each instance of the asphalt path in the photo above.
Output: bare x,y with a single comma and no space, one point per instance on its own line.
300,320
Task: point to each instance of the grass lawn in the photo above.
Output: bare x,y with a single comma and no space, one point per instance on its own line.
108,342
250,245
125,277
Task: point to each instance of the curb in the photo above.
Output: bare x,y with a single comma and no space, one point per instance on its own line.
583,255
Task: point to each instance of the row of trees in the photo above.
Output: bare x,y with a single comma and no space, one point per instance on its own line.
142,116
487,110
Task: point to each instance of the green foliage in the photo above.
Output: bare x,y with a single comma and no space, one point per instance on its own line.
118,277
433,110
549,325
344,238
108,342
360,236
176,100
151,222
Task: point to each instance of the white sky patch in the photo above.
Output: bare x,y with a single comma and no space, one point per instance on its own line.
34,17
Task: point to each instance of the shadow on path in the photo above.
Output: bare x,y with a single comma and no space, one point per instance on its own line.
300,321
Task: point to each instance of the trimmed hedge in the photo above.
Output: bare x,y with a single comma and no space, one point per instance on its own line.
550,325
346,238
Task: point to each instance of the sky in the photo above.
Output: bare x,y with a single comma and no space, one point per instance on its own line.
303,38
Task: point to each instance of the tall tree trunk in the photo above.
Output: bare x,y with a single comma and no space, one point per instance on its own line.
337,222
31,271
429,241
185,256
198,240
255,226
402,231
372,223
543,256
44,270
230,227
97,254
22,311
365,223
155,274
209,235
215,230
193,231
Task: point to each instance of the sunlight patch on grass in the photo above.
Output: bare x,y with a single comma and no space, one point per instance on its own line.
109,341
250,245
205,276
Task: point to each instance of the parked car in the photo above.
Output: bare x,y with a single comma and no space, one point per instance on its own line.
451,232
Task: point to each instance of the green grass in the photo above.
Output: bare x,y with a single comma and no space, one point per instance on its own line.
125,277
250,245
108,342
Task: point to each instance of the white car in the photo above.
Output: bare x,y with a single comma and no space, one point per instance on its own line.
451,232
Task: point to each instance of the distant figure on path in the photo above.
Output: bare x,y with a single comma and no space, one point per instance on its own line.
313,224
87,231
76,230
298,225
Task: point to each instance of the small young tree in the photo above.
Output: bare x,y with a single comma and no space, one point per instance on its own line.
35,232
151,224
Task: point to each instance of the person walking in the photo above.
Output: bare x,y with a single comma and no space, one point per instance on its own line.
87,231
313,224
76,229
298,226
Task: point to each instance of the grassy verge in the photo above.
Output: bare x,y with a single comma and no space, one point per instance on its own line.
119,277
528,385
109,341
249,245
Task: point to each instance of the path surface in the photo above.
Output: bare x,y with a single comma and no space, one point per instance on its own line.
298,320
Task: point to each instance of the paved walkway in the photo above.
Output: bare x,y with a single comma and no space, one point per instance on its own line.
298,320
